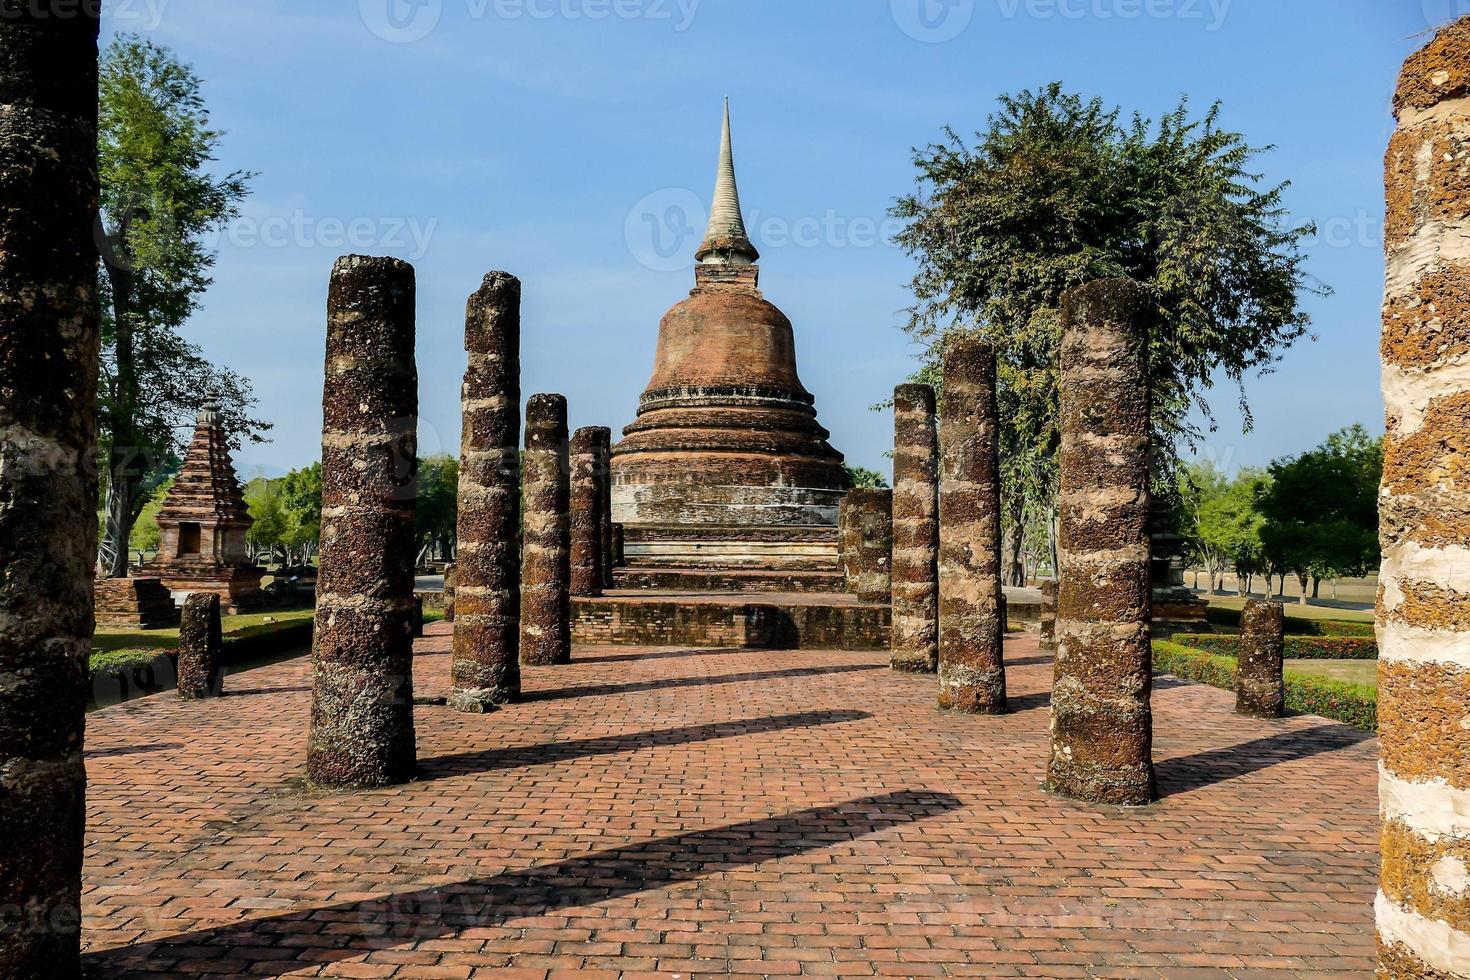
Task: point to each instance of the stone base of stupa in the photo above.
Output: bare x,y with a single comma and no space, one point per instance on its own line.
238,586
754,620
134,603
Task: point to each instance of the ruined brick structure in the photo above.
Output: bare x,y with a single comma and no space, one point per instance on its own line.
726,450
48,529
203,523
1048,642
134,603
915,567
867,543
1423,905
1260,689
972,628
586,457
483,589
546,635
200,640
362,730
1101,722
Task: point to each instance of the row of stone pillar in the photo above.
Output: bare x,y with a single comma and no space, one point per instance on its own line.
516,567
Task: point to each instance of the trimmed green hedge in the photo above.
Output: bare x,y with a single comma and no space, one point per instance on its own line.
1297,647
1351,704
1295,625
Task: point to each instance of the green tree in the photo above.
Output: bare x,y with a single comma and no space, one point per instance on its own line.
267,535
301,499
866,479
1222,526
158,207
146,534
1321,509
438,494
1059,191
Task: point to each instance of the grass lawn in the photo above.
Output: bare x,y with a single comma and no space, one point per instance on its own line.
104,641
1353,671
1299,611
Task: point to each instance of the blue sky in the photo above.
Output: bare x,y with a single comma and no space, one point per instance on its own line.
573,142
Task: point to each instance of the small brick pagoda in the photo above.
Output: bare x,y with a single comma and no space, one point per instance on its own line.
203,523
726,466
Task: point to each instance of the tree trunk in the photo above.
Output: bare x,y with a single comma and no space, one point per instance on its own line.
1301,578
1317,587
124,461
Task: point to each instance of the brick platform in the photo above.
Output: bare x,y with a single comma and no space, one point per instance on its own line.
693,811
750,620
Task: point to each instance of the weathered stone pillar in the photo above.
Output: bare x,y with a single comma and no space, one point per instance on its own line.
604,508
1101,725
587,454
546,635
48,436
485,597
1423,905
915,567
416,619
619,556
449,577
200,638
1260,689
866,519
1048,641
362,654
972,674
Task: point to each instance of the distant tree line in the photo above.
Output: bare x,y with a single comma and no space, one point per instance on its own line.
1313,516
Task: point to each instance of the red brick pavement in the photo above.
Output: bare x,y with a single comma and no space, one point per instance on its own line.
687,812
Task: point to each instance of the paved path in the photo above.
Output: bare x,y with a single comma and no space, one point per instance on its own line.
690,812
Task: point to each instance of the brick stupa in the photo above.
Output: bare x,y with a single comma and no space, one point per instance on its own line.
203,523
726,465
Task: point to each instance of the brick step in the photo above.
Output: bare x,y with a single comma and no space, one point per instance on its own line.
673,578
815,622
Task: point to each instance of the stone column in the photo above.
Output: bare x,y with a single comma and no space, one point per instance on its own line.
449,593
867,518
485,597
1101,725
586,457
619,556
604,508
48,529
362,654
915,565
972,674
199,647
1423,905
1260,689
1048,641
546,635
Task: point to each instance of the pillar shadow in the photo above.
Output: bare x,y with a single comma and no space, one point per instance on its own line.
1017,703
545,753
132,749
1028,661
308,938
1191,772
628,658
599,690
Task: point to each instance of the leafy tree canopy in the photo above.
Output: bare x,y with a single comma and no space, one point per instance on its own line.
1058,191
1321,508
159,204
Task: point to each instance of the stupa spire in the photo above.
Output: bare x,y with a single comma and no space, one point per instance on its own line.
725,241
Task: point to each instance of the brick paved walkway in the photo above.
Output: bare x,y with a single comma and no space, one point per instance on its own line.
679,812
